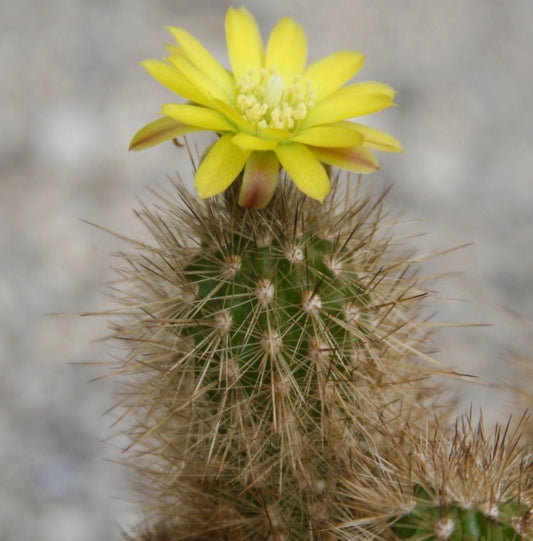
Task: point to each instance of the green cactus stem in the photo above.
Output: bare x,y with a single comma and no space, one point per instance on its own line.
431,520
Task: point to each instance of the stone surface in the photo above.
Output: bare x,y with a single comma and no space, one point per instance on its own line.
72,94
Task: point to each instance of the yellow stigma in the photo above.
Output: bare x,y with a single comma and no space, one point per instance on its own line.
264,102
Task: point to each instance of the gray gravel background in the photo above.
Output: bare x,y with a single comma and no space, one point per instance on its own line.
72,94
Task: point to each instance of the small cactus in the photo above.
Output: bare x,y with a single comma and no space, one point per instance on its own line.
262,344
471,486
461,484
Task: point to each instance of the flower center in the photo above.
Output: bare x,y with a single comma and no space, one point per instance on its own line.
265,103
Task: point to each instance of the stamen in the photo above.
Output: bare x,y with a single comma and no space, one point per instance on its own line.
264,102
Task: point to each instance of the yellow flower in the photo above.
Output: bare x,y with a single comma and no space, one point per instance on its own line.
271,110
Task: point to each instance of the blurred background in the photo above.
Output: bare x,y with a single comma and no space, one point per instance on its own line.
72,95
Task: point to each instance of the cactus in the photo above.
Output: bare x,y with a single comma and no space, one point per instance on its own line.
458,483
274,355
276,377
262,345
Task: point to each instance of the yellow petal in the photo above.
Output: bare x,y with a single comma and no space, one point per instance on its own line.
232,115
372,87
245,48
329,136
194,115
287,50
330,73
159,131
350,101
206,86
259,180
355,159
170,77
220,167
245,141
174,49
304,170
376,138
203,60
275,133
